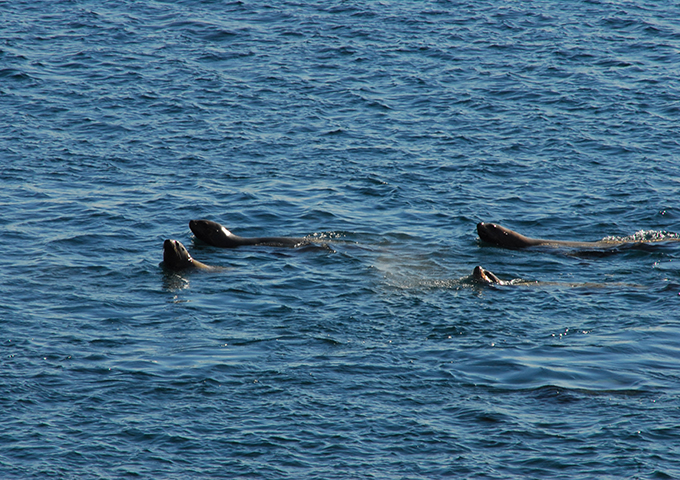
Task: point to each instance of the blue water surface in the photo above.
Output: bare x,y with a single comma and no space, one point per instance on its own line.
385,130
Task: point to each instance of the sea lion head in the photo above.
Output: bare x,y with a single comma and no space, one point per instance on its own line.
210,232
481,275
498,235
176,256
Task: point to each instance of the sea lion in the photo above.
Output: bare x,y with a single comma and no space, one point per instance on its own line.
504,237
216,235
176,257
486,277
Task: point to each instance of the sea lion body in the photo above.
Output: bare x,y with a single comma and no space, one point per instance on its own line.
504,237
217,235
176,257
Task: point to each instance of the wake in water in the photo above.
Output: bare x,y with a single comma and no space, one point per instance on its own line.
645,236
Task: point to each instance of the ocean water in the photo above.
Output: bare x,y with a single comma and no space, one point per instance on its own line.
386,131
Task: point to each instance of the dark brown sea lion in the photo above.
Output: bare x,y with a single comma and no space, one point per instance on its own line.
216,235
484,276
176,257
504,237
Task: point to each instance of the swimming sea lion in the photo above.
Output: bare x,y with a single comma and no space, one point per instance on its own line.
176,257
504,237
216,235
481,275
485,277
